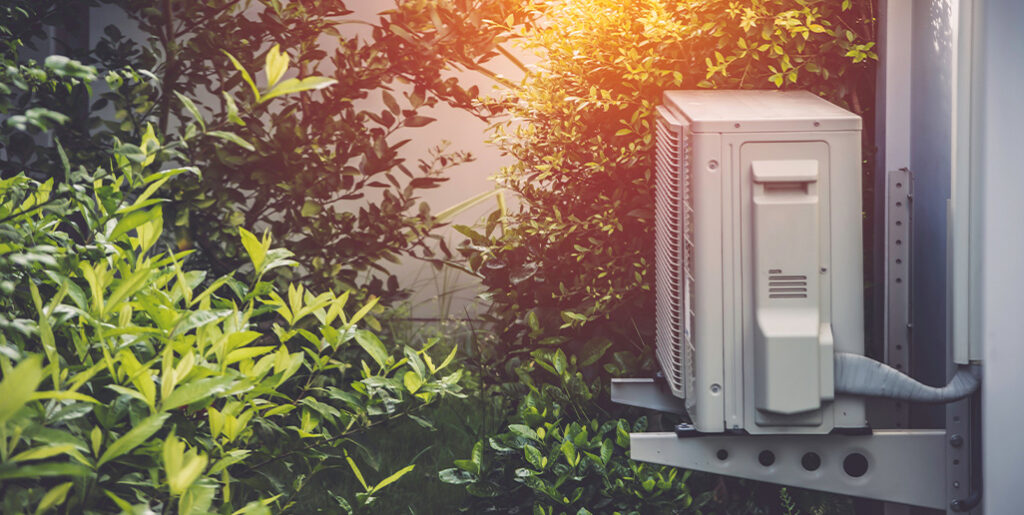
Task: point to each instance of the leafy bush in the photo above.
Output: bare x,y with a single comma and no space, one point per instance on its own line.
563,454
132,383
325,174
571,268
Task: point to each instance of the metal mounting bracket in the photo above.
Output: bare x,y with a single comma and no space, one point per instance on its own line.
646,393
904,466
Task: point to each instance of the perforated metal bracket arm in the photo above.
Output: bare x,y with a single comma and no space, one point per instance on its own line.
903,466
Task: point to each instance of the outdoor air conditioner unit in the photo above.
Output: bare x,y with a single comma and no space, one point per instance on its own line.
759,277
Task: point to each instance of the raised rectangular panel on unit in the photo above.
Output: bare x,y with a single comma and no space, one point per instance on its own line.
759,277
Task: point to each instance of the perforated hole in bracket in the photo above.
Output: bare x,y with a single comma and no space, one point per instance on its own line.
855,464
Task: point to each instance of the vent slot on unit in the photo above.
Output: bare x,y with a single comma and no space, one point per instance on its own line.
784,286
674,302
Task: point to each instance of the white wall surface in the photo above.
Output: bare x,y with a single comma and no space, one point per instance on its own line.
466,133
998,114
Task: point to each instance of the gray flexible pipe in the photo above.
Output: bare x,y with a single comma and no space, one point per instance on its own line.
860,375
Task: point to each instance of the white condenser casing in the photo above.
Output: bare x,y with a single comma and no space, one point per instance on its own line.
759,264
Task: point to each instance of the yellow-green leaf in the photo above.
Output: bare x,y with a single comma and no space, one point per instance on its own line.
245,75
277,63
133,220
253,247
298,85
63,395
194,391
133,438
373,346
55,497
150,144
233,117
310,208
392,478
42,452
412,381
191,106
96,439
355,470
233,138
17,386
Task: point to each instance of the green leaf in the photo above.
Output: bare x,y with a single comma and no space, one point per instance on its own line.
298,85
133,220
310,208
454,476
418,121
17,386
191,106
183,467
524,431
232,107
392,478
648,485
11,471
622,434
233,138
140,201
606,450
276,64
133,438
355,470
363,311
194,391
533,456
389,101
253,247
478,453
593,351
55,497
559,361
170,172
42,452
127,287
412,381
245,75
149,144
373,346
468,466
196,319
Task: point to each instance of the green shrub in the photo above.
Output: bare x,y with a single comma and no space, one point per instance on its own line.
572,266
131,383
326,174
564,454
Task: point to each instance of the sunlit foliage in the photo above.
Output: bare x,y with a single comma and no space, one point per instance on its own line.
573,268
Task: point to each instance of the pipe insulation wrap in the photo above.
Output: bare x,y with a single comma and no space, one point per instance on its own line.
860,375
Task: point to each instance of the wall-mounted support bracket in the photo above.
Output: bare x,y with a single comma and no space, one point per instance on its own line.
646,393
904,466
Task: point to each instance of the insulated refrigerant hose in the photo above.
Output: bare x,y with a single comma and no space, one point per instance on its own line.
860,375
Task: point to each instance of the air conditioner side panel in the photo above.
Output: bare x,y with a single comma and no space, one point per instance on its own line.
847,251
708,384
